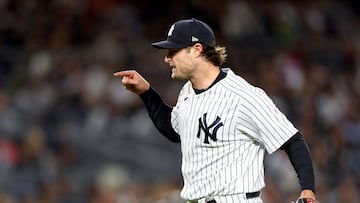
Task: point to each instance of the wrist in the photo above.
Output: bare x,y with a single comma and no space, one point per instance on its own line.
307,194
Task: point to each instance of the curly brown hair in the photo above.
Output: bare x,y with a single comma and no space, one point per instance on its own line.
215,54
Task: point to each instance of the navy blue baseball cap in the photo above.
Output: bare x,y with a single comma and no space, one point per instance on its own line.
185,33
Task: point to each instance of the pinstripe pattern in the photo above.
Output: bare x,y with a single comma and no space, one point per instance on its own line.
232,164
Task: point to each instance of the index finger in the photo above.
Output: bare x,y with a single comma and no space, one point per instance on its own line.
123,73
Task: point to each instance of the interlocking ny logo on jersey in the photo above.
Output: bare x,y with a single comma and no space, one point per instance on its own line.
203,125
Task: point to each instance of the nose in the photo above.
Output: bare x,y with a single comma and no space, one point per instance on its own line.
167,59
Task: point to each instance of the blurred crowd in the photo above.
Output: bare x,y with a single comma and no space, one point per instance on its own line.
69,132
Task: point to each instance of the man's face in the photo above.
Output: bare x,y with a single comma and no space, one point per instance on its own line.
181,62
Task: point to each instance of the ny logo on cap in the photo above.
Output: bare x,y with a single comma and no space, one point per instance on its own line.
171,30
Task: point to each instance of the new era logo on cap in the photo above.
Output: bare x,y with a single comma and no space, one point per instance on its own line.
194,39
185,33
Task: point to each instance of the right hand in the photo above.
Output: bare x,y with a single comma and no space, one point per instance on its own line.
133,81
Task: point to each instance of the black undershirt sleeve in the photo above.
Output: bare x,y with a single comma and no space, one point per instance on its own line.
299,156
160,114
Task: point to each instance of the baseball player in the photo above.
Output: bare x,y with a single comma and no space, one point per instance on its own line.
224,124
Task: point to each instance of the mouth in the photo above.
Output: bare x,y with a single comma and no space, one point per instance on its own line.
173,71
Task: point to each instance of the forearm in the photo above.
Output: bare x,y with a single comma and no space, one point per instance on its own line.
300,158
160,114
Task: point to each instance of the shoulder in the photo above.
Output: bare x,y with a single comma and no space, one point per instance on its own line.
239,86
185,91
187,88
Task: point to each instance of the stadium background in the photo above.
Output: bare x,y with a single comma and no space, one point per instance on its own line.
70,133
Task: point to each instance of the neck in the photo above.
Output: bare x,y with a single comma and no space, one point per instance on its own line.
205,77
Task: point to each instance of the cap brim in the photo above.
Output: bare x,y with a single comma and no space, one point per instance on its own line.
167,45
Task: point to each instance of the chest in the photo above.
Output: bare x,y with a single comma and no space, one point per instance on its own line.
207,118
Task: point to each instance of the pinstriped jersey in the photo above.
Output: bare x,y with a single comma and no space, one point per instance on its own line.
224,133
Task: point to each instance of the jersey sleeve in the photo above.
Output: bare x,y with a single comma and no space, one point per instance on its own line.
265,122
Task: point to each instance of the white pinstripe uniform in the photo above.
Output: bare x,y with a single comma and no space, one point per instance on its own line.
242,122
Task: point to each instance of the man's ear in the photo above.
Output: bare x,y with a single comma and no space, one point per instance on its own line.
197,49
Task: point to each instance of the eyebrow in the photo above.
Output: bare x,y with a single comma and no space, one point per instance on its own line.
172,52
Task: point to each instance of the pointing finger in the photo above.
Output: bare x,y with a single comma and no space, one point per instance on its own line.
123,73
